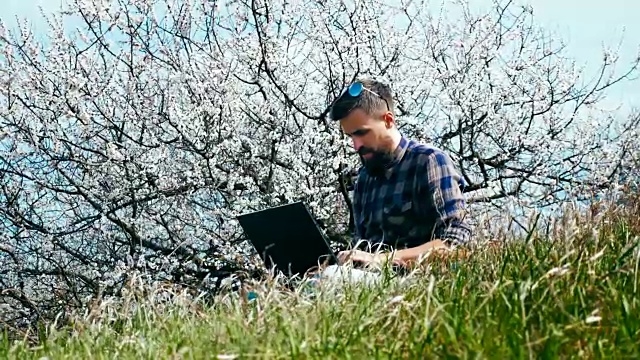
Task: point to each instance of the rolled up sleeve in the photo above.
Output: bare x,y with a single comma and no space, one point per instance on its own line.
445,187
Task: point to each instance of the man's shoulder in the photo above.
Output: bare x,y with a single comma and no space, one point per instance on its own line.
422,151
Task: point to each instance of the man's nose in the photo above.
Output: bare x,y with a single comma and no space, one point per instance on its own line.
357,144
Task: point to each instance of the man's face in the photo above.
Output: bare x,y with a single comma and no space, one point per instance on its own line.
371,139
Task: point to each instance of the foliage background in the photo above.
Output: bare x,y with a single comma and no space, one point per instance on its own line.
133,140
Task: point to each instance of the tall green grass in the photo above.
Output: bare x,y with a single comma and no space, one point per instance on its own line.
572,293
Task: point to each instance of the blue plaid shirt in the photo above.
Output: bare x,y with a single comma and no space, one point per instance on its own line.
418,200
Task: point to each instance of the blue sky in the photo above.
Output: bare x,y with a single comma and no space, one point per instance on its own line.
585,25
588,25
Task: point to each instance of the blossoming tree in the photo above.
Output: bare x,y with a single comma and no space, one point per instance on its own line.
133,139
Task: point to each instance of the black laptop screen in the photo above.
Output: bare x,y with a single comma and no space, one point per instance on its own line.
287,237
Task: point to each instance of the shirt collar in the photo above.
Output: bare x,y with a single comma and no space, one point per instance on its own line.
399,151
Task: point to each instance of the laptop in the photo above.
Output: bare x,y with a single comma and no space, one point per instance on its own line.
288,238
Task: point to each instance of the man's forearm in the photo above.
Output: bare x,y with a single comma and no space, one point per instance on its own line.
414,254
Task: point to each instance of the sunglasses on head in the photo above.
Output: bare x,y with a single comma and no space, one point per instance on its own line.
355,90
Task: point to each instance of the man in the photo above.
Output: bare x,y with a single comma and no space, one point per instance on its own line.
407,196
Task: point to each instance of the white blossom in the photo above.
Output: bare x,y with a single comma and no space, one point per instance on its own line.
131,142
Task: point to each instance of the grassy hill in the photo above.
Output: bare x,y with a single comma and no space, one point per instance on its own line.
569,293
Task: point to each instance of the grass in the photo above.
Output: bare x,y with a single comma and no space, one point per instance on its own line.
572,293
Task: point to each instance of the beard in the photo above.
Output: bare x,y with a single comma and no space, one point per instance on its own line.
377,163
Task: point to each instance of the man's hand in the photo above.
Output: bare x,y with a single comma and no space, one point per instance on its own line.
406,257
366,258
411,257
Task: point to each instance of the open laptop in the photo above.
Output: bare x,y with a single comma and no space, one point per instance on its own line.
288,238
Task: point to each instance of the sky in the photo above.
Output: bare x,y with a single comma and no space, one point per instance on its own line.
585,25
589,25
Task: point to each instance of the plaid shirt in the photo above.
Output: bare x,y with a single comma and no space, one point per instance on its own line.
418,200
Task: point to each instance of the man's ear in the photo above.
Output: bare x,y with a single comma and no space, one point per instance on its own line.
389,120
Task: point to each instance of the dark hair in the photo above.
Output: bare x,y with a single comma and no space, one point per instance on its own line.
368,102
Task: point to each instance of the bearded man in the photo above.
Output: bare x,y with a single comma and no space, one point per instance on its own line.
408,196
